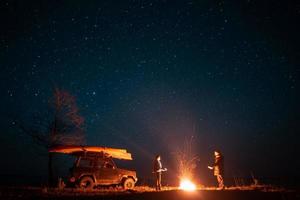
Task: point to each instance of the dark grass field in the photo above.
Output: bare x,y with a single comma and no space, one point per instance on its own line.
146,194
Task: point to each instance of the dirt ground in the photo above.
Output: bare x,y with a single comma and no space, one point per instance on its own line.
144,193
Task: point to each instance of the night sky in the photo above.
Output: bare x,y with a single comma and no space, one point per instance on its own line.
148,75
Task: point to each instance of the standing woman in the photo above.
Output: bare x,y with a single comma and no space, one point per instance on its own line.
218,168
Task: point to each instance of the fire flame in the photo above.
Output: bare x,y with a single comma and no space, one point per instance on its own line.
187,185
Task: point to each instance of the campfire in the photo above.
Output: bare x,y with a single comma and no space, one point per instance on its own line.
187,162
187,185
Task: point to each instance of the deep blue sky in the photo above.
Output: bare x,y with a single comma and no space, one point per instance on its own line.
150,74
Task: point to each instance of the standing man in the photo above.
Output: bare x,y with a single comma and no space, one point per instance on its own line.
157,169
218,168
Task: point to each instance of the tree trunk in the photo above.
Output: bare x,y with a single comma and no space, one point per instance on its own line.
50,170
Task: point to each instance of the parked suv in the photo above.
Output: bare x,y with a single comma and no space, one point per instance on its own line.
92,170
94,166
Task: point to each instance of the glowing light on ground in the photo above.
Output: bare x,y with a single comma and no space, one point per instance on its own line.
187,185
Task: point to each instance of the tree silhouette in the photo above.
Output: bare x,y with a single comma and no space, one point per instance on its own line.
64,126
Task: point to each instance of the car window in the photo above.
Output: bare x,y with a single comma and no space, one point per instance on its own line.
99,163
108,165
86,163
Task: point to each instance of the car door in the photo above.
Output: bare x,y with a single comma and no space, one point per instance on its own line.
108,173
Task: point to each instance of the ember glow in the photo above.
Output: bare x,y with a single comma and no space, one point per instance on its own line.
187,185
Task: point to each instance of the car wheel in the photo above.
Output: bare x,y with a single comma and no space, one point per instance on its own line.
128,184
86,183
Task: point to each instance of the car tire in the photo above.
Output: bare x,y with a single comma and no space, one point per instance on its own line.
128,184
86,182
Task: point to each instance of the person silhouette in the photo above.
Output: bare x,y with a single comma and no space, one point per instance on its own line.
157,170
218,168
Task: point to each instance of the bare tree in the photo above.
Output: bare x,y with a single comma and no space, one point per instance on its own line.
63,127
66,127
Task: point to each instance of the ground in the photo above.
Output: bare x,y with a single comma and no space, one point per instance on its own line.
148,193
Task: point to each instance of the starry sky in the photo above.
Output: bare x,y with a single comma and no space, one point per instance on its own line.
149,75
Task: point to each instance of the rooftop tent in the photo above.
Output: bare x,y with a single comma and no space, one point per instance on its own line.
114,153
